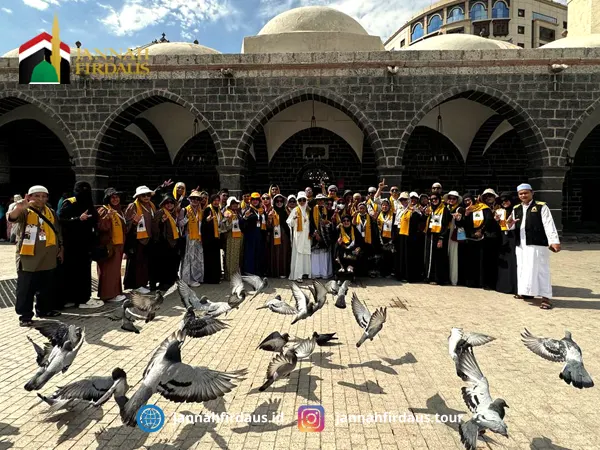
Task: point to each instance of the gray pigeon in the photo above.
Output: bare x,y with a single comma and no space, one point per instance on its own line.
372,324
274,342
279,306
238,292
280,367
93,389
66,340
176,381
319,293
258,284
488,414
190,299
146,305
324,338
565,350
341,295
200,326
458,338
127,315
304,306
303,348
333,287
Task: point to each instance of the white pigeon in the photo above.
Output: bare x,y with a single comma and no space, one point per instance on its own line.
459,338
258,284
372,324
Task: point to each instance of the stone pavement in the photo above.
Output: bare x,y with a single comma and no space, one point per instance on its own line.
405,371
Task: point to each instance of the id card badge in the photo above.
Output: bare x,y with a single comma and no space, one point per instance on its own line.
258,222
30,235
141,226
386,226
478,215
235,226
436,220
277,231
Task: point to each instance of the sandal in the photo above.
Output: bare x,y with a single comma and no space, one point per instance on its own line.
25,323
546,305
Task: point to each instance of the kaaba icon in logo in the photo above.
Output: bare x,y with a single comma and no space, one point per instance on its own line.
45,60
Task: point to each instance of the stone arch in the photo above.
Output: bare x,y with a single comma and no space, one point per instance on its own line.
118,120
301,95
521,121
591,109
13,99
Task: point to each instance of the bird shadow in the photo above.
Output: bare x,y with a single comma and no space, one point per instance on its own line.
322,360
216,406
368,387
105,436
375,365
75,420
437,405
545,443
293,380
7,430
408,358
266,410
331,344
192,433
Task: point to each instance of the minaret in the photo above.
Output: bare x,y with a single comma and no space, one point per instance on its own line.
56,58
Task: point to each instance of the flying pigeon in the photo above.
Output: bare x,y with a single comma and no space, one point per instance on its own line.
319,293
65,342
565,350
259,284
459,338
94,389
341,295
279,306
280,367
333,287
488,414
200,326
127,315
238,292
145,306
304,306
303,348
274,342
323,339
371,323
190,299
176,381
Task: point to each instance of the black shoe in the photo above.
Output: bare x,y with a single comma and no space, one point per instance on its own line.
25,322
48,314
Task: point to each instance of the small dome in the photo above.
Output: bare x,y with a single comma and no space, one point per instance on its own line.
587,41
14,53
312,18
179,49
457,41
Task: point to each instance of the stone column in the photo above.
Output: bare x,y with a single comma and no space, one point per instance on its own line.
4,166
230,177
392,175
547,184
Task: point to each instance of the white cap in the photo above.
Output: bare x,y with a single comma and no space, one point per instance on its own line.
436,185
523,187
290,197
372,189
300,195
453,194
140,190
413,194
37,189
230,200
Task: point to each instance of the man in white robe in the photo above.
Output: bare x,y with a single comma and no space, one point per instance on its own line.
533,243
301,259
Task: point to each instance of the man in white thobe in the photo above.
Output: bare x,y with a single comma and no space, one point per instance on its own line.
535,235
298,218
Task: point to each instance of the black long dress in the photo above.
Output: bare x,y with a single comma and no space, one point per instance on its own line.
410,255
474,252
437,265
507,261
212,249
387,249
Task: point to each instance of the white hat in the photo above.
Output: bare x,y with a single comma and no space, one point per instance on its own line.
142,190
372,189
489,191
321,197
403,195
290,197
453,194
17,197
436,185
413,194
300,195
524,186
333,187
37,189
230,200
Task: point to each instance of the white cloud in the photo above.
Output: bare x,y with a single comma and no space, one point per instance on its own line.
378,17
7,11
37,4
136,15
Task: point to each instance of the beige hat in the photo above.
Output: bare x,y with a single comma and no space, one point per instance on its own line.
489,191
404,196
140,190
453,194
413,194
37,189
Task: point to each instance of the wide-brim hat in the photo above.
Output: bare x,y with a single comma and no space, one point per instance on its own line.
195,194
141,190
292,197
321,197
230,200
300,195
453,194
333,187
489,191
347,191
108,193
279,195
413,194
436,185
167,198
404,195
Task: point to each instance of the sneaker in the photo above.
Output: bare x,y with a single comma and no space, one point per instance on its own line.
143,290
69,305
118,298
91,304
194,284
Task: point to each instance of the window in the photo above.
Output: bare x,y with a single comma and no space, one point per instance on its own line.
520,44
500,11
521,30
547,35
565,25
521,13
545,17
478,12
402,43
460,30
417,32
456,14
501,28
481,29
435,23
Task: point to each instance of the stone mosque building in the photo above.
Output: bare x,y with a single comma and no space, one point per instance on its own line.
313,96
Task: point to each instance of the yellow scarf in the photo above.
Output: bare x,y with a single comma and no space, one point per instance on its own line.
357,221
476,208
405,222
299,218
34,220
235,233
276,239
138,207
243,205
216,219
345,238
116,225
193,221
175,192
174,229
437,227
259,212
317,216
383,218
373,205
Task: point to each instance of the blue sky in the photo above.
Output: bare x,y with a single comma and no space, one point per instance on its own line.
220,24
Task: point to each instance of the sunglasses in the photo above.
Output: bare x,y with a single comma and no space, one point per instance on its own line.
266,198
394,190
302,200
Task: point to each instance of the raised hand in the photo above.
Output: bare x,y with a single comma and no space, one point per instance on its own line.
85,216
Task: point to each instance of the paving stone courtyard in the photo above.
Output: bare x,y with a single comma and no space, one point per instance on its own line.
405,371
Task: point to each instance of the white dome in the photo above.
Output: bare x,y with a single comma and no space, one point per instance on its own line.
458,41
312,18
588,41
179,49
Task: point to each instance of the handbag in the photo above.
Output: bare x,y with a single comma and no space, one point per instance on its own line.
461,235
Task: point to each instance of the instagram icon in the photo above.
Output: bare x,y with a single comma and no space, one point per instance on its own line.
311,418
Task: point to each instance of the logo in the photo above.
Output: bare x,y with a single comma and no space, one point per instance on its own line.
311,418
150,418
45,59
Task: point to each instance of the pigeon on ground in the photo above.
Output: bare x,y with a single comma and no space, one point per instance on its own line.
303,348
333,287
238,292
371,323
258,284
146,305
279,306
280,367
565,350
200,326
304,306
488,414
93,389
324,338
190,299
176,381
319,293
127,314
459,338
341,295
65,342
274,342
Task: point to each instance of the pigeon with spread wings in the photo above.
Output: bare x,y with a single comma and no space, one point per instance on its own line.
304,306
274,342
279,306
372,324
258,284
190,299
458,338
200,326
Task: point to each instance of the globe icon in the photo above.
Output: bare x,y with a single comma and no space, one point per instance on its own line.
150,418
